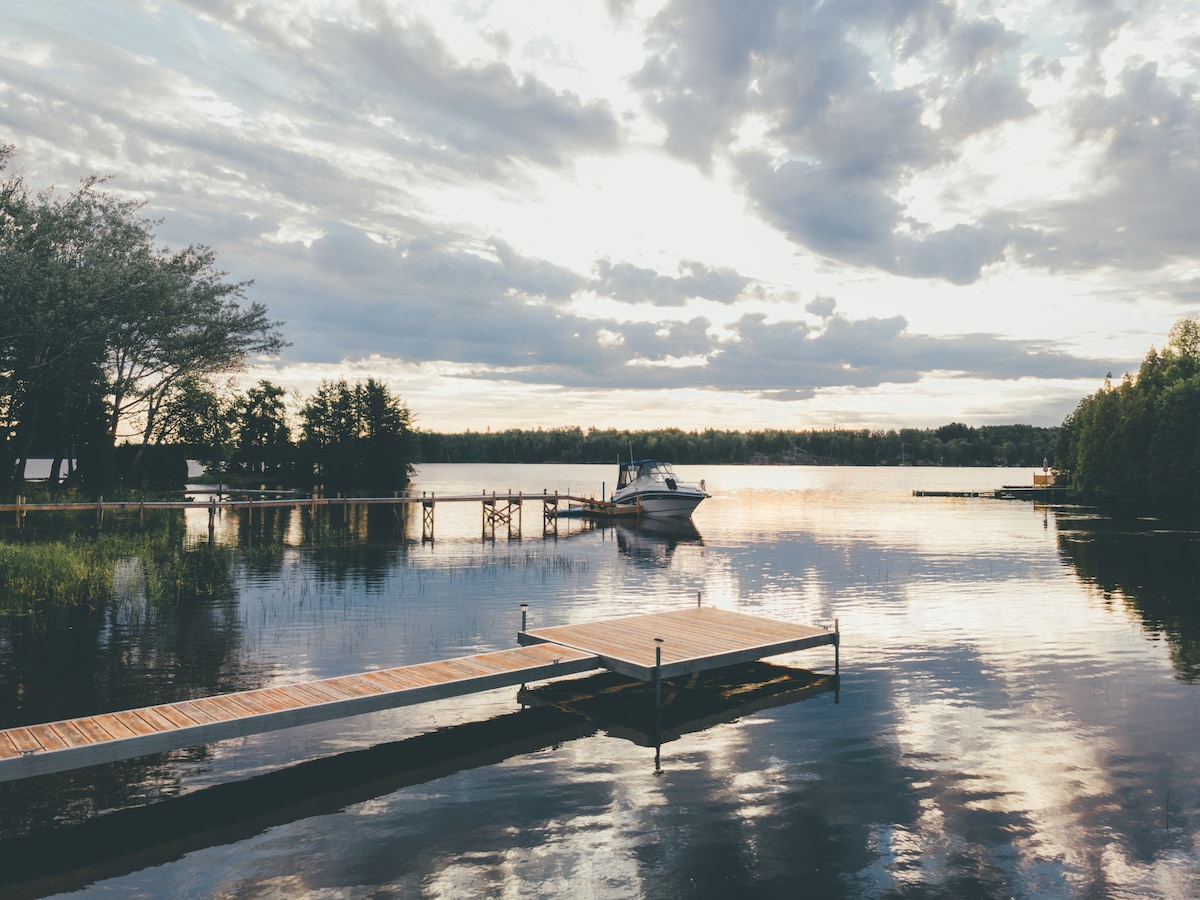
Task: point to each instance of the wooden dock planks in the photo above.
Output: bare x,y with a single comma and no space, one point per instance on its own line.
31,750
694,640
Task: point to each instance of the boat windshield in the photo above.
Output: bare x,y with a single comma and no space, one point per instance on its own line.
655,471
649,469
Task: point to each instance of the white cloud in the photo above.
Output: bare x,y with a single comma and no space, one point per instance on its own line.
656,213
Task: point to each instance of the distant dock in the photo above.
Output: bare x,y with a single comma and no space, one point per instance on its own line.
499,509
991,494
1045,487
1008,492
650,647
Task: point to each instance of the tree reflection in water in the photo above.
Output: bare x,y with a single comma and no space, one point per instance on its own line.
169,629
1151,568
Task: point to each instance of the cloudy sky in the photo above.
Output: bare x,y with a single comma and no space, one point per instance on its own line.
693,213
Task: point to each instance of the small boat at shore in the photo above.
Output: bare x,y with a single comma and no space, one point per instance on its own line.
654,488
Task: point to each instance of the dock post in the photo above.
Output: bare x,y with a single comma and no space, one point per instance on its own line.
427,517
524,614
698,595
837,647
658,642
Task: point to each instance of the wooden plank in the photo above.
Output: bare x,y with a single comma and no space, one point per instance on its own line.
24,740
113,725
67,732
7,750
174,716
266,701
328,691
154,719
48,737
134,723
195,710
389,679
93,729
247,701
309,694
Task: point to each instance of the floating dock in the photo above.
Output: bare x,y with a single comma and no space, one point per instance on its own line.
681,642
649,647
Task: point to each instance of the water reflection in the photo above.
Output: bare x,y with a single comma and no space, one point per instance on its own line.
653,542
1001,731
1150,568
133,839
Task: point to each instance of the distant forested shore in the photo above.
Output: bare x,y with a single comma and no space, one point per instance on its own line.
954,444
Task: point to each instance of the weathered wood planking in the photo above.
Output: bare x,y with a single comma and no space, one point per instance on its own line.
75,743
694,640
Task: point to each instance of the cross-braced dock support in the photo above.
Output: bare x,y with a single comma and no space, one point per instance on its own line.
427,518
499,510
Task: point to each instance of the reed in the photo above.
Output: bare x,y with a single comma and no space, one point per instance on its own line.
43,577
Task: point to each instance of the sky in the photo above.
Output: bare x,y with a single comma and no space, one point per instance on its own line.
680,213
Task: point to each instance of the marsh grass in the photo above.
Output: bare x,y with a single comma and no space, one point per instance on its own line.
35,578
63,566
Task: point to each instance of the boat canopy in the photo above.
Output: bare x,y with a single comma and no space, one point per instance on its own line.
652,469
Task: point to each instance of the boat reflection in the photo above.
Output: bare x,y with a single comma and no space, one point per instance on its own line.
652,542
71,857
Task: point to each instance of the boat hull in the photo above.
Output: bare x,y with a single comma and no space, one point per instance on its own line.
665,504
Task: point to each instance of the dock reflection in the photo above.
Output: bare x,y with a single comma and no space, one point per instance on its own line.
626,709
119,843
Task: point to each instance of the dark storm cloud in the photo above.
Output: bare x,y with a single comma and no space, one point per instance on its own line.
851,142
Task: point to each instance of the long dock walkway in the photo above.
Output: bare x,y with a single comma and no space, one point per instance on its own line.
648,647
498,508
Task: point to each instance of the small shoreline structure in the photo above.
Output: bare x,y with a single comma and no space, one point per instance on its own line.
1046,486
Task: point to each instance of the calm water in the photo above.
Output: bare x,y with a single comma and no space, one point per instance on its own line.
1018,712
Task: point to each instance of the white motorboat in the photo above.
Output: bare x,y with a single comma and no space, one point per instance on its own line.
654,488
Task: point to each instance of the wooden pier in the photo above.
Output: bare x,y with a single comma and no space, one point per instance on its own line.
499,509
1008,492
650,647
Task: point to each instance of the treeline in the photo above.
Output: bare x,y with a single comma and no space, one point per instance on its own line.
1137,444
954,444
348,438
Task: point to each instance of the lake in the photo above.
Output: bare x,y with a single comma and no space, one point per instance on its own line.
1017,713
